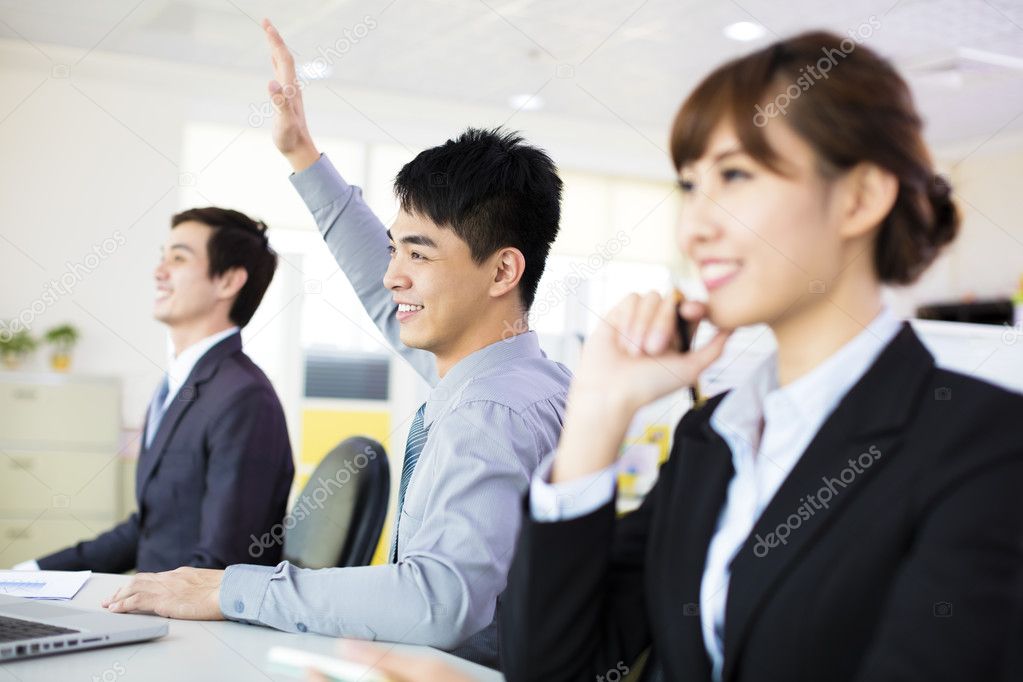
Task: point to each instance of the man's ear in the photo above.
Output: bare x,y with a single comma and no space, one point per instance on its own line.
870,193
231,281
509,265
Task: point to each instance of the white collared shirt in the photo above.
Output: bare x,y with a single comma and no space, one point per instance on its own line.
180,366
791,416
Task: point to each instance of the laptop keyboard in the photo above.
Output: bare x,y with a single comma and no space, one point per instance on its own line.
12,629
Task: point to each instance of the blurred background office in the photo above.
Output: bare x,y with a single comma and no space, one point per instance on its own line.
114,115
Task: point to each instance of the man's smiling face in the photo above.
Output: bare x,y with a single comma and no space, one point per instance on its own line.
441,292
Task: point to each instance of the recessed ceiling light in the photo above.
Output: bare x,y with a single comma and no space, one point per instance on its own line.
744,31
314,70
526,102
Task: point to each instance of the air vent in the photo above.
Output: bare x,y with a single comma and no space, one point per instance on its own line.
352,376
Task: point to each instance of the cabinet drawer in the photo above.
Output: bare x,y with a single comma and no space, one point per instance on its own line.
60,413
22,540
67,482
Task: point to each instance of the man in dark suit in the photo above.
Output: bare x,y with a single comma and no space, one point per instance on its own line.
215,465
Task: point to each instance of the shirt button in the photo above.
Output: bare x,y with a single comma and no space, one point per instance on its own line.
239,606
301,627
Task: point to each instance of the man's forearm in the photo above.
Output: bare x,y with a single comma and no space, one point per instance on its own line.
415,602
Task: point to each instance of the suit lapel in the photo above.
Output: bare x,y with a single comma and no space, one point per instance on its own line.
867,420
188,394
698,494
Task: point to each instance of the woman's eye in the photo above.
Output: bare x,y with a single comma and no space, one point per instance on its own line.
730,174
415,256
687,186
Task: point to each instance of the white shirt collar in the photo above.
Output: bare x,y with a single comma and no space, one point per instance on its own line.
179,367
810,398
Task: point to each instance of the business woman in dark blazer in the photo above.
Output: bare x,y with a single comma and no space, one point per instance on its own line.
851,512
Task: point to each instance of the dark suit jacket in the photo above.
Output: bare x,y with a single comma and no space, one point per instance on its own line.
215,478
912,572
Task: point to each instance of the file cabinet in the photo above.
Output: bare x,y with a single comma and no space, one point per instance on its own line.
61,478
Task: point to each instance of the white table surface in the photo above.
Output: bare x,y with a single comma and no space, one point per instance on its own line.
191,651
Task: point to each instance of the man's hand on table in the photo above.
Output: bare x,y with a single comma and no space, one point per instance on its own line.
185,593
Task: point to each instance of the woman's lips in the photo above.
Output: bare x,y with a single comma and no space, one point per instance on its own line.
716,273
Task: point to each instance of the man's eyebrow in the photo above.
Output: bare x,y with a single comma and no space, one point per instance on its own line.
415,239
183,247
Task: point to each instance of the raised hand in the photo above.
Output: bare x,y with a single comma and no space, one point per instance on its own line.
290,131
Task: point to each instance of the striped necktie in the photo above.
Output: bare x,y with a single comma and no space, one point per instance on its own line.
413,448
156,410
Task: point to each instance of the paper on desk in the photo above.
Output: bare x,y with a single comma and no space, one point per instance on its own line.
59,585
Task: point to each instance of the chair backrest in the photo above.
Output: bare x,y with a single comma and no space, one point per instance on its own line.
338,517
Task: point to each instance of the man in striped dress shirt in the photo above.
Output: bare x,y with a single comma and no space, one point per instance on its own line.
450,285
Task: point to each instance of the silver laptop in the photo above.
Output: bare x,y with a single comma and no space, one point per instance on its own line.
36,628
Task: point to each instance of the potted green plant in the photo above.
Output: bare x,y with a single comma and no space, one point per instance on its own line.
15,346
63,338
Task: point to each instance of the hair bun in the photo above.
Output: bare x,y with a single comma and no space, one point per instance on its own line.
946,213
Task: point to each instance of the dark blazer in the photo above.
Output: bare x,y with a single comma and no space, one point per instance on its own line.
912,572
214,481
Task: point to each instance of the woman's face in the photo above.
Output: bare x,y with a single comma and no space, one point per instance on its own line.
766,245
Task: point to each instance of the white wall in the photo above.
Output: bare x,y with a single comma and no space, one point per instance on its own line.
94,151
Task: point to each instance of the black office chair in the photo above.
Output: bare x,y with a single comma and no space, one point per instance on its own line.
340,513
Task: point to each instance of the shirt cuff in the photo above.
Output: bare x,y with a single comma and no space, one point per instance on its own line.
30,565
569,499
243,589
320,184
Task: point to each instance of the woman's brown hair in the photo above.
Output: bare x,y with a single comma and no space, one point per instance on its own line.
850,106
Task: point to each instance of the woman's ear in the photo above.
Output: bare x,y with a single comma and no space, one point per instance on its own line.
870,192
509,266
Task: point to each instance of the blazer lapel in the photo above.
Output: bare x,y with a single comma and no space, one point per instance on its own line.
867,420
186,396
698,495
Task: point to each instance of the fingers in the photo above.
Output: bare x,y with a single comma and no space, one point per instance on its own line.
639,325
283,62
644,324
137,601
123,592
694,311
